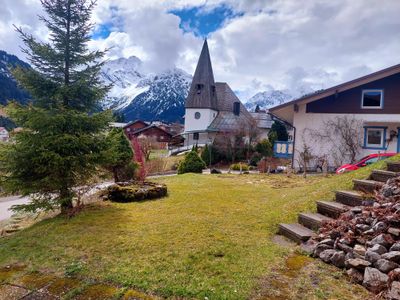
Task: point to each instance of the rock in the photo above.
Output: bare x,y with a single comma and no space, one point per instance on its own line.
363,227
381,240
371,256
308,247
392,256
328,242
338,259
394,291
358,263
344,247
215,171
395,247
385,266
380,226
355,275
321,248
356,210
359,250
375,280
394,231
326,255
378,249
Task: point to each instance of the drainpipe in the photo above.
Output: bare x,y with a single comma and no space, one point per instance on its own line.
294,132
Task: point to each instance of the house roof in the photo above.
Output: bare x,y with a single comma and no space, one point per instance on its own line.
149,127
203,77
263,119
136,121
283,112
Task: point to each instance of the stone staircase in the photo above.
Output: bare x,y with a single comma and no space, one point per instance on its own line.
309,223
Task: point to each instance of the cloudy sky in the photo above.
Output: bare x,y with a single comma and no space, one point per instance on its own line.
255,45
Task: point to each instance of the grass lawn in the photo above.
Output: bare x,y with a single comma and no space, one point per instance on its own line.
211,237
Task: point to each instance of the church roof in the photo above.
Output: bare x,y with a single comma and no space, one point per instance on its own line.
226,120
202,92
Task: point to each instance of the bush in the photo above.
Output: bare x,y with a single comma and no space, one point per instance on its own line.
192,163
255,159
236,167
265,148
215,155
134,193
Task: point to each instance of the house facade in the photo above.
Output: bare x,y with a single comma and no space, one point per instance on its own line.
139,129
371,103
211,108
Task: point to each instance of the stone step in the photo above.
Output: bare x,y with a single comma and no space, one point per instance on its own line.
331,209
393,166
350,198
383,175
295,232
366,185
313,221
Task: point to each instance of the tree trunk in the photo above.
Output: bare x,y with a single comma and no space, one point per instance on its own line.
66,201
115,174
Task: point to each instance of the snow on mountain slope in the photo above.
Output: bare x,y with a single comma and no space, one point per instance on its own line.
149,97
268,99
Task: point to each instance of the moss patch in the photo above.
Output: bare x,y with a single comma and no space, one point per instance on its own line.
35,281
136,295
8,272
97,292
61,286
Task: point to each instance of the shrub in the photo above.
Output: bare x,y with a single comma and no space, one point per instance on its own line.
238,166
210,150
134,193
255,159
192,163
265,148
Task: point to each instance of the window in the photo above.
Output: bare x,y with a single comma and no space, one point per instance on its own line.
213,90
236,108
199,87
372,99
197,115
375,137
196,136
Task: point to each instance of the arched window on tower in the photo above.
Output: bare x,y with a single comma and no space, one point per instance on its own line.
199,87
236,108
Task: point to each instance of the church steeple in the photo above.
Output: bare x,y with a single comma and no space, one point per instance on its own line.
202,92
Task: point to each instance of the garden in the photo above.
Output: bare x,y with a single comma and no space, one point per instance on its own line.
213,236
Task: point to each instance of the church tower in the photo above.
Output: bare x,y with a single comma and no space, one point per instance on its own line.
201,103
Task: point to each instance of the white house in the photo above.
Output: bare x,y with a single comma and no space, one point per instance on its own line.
211,107
373,101
4,136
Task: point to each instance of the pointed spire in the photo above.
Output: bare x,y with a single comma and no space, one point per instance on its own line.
202,92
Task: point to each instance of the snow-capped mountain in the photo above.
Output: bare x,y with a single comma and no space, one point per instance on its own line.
9,89
268,99
149,97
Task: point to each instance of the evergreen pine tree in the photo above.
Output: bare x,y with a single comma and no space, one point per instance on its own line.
62,141
278,132
119,156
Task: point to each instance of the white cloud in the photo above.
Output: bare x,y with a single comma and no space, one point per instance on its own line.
285,44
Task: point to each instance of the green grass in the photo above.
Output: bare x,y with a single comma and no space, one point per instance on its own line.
211,237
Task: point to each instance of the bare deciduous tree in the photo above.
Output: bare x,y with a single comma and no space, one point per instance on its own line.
344,134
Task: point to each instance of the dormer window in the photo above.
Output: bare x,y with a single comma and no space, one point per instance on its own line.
236,108
372,99
199,87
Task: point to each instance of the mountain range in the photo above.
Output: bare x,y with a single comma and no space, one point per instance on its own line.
136,94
